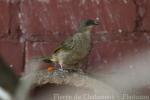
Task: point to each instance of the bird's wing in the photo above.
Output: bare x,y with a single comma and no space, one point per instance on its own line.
65,45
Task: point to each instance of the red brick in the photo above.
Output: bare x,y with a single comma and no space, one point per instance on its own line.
118,14
146,19
9,20
15,21
34,49
46,19
38,49
4,17
117,50
13,54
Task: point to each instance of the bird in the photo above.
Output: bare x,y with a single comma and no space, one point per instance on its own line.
75,48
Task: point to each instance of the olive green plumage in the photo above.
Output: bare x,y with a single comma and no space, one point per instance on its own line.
75,48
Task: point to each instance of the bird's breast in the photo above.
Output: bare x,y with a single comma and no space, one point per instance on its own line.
82,45
80,49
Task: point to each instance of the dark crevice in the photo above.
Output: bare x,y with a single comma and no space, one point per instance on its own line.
13,26
21,32
10,18
141,9
18,32
24,55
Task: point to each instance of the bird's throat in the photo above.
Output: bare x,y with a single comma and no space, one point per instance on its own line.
85,30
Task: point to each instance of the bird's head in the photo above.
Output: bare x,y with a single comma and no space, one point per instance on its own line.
88,24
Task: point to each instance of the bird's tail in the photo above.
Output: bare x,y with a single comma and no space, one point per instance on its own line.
46,59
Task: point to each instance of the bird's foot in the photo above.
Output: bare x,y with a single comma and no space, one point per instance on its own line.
74,70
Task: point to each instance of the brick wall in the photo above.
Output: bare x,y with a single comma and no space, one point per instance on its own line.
31,28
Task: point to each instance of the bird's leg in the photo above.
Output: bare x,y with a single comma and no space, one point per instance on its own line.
61,67
56,65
